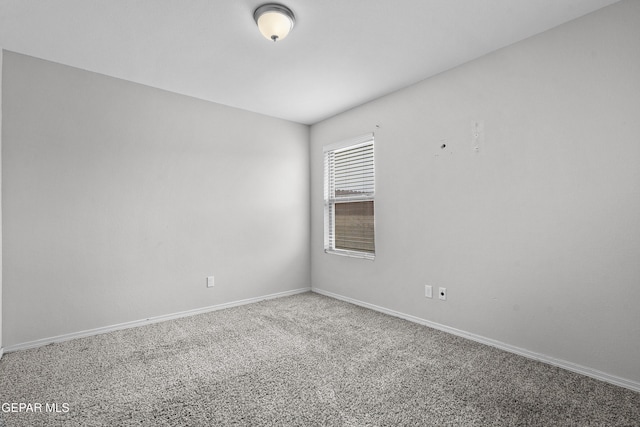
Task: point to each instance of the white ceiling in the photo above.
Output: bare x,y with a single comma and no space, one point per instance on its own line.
340,54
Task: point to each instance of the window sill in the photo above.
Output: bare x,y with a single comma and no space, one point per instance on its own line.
351,254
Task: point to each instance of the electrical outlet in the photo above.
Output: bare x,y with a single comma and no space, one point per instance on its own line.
428,291
442,294
210,282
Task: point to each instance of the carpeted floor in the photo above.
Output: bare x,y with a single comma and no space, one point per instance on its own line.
304,360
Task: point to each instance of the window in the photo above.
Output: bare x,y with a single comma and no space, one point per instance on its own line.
349,190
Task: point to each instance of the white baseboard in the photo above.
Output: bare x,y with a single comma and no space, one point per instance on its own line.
593,373
147,321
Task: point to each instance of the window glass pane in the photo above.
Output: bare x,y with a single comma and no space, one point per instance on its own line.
354,171
349,192
354,226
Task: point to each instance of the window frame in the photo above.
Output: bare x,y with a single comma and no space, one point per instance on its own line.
330,200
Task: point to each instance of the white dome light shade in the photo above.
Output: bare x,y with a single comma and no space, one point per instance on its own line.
274,21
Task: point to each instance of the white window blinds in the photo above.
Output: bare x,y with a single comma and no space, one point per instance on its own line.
349,171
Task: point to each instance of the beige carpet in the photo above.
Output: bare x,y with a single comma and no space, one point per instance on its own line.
305,360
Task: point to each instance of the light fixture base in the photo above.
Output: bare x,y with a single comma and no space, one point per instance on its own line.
274,20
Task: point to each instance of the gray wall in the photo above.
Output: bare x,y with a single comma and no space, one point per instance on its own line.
119,199
1,342
537,235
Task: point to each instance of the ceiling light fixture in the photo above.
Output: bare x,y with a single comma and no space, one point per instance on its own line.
274,21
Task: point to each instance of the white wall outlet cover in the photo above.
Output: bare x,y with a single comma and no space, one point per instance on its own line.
210,282
442,293
428,291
